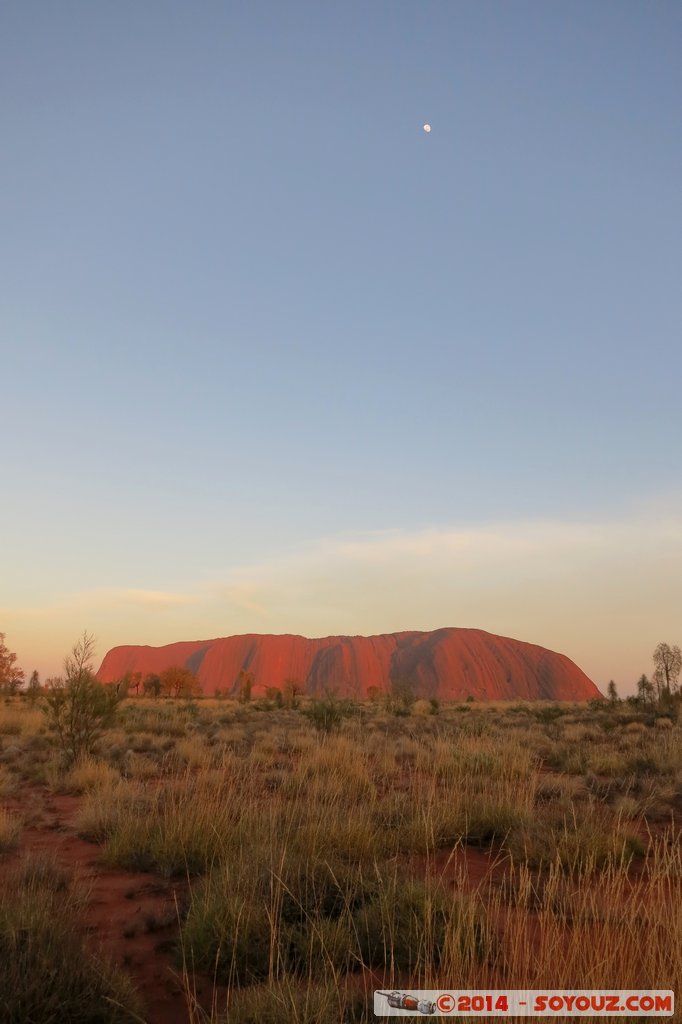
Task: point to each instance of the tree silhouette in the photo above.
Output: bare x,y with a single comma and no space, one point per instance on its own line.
11,676
667,666
178,681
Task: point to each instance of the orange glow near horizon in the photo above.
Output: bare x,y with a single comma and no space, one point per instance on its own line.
564,587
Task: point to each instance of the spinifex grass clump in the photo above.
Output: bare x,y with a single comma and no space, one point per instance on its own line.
580,843
88,775
418,926
465,790
178,829
46,975
282,895
335,770
271,918
18,719
296,1002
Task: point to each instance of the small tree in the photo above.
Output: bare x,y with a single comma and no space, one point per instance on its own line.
33,688
401,698
131,681
11,676
612,692
667,666
178,681
151,684
327,713
245,682
292,689
80,708
645,690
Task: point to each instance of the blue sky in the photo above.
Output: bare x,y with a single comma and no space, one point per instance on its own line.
251,314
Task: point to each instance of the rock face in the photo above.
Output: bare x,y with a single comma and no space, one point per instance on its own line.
450,664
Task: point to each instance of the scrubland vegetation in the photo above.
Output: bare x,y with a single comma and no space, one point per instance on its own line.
334,848
46,972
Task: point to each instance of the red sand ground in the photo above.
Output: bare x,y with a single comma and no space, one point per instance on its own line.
450,664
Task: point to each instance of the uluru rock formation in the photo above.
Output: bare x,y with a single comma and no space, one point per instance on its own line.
451,664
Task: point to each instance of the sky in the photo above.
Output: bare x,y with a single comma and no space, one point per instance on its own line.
274,359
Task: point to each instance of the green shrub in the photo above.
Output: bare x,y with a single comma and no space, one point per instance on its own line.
327,713
401,699
550,712
78,708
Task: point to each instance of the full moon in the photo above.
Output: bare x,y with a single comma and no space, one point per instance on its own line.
427,127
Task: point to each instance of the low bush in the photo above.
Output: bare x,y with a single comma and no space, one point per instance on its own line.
327,713
79,708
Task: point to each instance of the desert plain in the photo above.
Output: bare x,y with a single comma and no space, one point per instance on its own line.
278,858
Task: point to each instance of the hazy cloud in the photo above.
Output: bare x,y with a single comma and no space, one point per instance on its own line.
604,593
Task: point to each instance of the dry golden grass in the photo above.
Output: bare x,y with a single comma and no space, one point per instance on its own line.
46,971
194,752
139,767
87,775
18,718
302,845
10,830
631,927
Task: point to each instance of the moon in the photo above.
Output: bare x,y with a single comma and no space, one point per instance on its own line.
427,128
